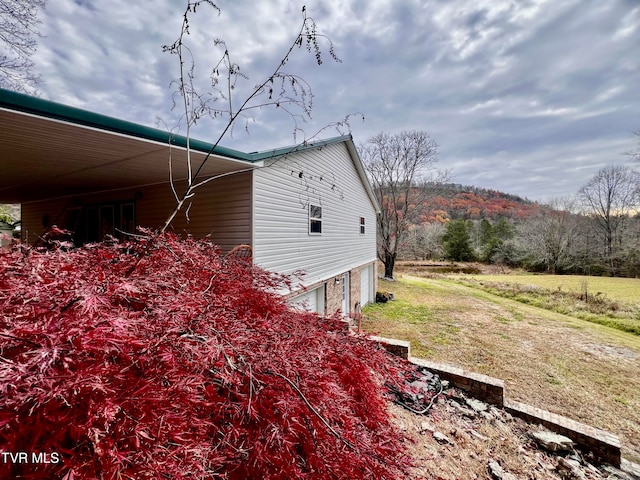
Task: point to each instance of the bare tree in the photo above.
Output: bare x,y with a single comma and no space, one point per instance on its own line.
424,241
18,33
395,164
550,237
285,91
610,197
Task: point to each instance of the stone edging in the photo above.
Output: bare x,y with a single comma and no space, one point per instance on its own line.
601,443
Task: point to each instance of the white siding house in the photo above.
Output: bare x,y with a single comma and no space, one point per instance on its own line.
306,208
320,187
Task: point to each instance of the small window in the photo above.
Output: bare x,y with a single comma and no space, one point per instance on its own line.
315,219
361,225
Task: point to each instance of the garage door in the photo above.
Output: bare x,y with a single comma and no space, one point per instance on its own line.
366,285
310,301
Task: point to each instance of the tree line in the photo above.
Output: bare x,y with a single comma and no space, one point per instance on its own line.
594,232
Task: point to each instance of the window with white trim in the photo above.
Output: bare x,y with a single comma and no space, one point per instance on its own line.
361,225
315,220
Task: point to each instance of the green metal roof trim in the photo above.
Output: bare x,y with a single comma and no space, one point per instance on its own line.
266,154
45,108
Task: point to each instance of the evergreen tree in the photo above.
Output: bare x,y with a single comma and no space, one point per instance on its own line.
457,242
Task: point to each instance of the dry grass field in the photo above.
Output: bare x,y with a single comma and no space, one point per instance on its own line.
625,290
580,369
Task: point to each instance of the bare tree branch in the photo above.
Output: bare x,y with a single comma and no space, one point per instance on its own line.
285,91
280,89
18,42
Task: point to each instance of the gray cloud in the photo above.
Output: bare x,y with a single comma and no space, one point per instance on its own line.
528,97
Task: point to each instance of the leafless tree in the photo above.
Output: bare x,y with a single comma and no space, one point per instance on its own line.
285,91
610,197
396,164
18,41
550,237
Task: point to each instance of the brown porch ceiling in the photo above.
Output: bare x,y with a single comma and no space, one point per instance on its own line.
42,158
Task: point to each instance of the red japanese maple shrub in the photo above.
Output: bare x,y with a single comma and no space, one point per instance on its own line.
189,367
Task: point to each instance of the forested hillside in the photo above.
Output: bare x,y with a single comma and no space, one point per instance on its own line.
463,223
454,201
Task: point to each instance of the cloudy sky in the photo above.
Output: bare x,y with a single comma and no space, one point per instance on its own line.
529,97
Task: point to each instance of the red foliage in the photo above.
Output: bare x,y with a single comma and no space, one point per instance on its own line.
187,368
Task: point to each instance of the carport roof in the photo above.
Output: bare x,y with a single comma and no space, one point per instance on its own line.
49,150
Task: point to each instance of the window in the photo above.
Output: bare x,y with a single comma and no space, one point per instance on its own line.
361,225
93,222
315,219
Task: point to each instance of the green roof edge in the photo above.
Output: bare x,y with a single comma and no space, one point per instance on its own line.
266,154
57,111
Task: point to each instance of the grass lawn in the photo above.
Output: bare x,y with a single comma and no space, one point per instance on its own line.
572,367
625,290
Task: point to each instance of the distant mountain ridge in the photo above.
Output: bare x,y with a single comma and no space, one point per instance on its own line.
451,201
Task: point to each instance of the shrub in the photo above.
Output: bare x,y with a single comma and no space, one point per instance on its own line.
188,367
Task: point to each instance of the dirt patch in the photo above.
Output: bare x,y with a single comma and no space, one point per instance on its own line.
608,351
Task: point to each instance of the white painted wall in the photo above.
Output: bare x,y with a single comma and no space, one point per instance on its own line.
283,191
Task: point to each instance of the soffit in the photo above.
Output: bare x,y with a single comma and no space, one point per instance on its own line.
42,158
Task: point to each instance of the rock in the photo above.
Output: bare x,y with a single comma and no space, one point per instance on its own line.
487,416
498,473
442,438
479,436
428,381
552,442
632,469
570,469
615,474
425,427
467,412
495,470
476,405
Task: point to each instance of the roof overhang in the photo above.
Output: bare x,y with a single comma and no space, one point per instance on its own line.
49,150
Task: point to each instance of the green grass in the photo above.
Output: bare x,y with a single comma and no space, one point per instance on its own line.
562,363
568,297
405,310
625,290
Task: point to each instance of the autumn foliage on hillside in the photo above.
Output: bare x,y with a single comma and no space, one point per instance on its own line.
441,203
190,367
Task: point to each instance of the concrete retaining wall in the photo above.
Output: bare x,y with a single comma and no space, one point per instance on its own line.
604,445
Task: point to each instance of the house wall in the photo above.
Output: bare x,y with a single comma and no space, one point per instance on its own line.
333,292
221,208
355,302
332,289
283,192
